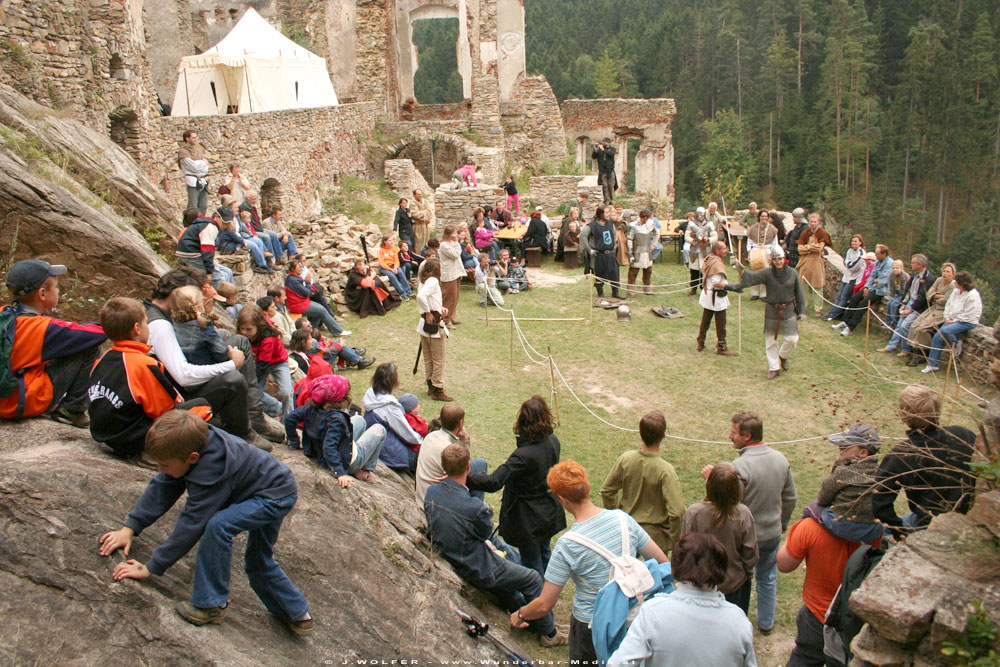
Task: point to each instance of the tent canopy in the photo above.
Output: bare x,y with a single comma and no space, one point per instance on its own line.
254,68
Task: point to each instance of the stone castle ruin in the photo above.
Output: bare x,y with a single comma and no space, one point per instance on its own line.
110,64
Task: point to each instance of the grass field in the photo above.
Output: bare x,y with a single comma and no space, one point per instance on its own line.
623,370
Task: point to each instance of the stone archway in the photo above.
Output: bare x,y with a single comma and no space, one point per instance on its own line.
434,154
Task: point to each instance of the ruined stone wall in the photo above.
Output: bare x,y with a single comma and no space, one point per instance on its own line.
532,124
589,121
304,149
85,58
375,58
458,111
456,206
551,192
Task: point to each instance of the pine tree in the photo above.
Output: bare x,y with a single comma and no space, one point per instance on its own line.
606,81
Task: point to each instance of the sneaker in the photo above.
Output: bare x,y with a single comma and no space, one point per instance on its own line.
301,628
886,350
839,325
560,638
360,351
345,333
263,270
364,363
201,615
930,369
828,319
63,416
846,331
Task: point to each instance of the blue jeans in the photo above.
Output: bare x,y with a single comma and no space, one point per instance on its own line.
536,556
516,586
289,248
837,310
368,443
346,353
946,335
256,248
892,310
220,274
271,243
766,575
197,198
283,377
319,312
397,280
261,519
478,466
901,332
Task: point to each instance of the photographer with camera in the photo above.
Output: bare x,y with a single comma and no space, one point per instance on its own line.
604,153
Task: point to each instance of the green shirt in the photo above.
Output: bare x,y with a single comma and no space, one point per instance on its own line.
646,487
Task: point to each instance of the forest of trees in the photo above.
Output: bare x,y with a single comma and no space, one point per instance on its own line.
885,113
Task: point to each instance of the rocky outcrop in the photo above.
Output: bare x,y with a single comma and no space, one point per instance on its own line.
922,592
359,555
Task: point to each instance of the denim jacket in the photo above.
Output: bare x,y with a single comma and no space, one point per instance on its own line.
459,524
201,346
878,281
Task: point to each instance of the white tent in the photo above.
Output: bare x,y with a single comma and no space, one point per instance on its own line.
254,68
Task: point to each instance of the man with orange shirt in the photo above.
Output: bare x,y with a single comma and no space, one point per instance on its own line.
825,557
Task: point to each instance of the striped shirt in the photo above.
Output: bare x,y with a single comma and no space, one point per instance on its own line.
588,570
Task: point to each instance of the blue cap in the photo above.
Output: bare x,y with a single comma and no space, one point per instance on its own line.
30,274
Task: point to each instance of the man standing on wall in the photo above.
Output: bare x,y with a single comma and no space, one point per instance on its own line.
194,166
604,153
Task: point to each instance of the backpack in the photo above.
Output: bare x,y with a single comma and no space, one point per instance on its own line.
842,624
631,575
8,324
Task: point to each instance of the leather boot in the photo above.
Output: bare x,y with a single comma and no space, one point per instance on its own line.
723,350
437,393
694,290
701,344
265,426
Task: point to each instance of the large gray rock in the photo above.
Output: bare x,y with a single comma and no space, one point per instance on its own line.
359,555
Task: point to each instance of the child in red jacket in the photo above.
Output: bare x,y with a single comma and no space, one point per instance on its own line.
50,359
271,355
411,405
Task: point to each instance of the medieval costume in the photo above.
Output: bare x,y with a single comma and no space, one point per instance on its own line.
812,267
791,244
602,243
761,234
714,300
700,235
422,212
642,238
785,300
366,295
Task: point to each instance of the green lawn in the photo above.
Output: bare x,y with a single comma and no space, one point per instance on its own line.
623,370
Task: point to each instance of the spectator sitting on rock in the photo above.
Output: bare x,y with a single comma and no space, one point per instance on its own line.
270,310
196,246
128,387
365,294
432,245
253,244
408,261
271,241
274,224
388,264
271,356
333,350
460,527
50,360
469,253
381,407
198,338
411,404
343,445
238,186
306,298
230,387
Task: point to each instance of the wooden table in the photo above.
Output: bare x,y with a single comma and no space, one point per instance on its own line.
514,233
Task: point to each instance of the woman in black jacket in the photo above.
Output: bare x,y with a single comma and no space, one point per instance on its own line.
537,235
529,513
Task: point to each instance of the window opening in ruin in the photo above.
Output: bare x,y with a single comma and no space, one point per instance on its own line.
584,149
437,79
123,127
633,149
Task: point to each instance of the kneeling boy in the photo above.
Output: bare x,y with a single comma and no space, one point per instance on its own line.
50,359
129,388
232,487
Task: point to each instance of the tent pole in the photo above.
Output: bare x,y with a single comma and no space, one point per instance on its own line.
246,75
187,92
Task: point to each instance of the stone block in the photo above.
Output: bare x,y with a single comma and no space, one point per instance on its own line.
986,511
871,650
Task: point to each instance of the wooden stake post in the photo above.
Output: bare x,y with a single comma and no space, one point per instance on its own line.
512,340
739,305
868,326
555,392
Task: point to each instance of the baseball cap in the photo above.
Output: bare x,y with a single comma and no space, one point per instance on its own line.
859,434
30,274
539,208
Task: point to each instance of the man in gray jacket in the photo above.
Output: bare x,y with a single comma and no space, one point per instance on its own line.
769,492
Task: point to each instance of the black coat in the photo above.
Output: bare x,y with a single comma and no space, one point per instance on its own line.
529,512
605,158
925,284
537,235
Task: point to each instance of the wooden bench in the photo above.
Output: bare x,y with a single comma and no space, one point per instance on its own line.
533,257
571,257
